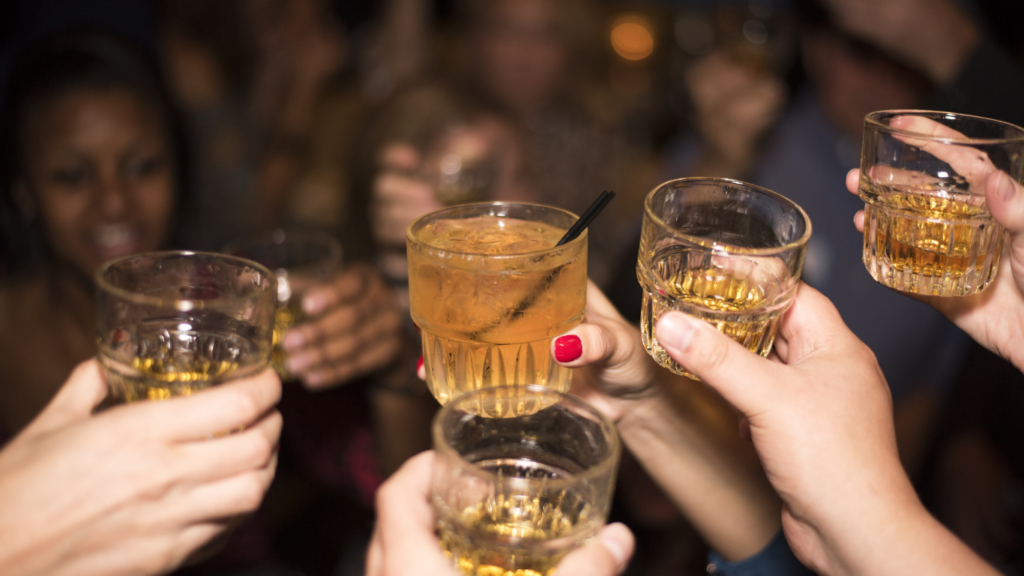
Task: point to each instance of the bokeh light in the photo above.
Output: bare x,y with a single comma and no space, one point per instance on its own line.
632,37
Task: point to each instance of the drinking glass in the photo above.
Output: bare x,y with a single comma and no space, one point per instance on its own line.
300,260
927,228
724,251
522,476
461,161
489,290
172,323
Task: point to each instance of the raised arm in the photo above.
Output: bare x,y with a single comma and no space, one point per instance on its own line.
682,432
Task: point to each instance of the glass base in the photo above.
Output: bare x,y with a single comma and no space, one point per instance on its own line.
932,257
455,367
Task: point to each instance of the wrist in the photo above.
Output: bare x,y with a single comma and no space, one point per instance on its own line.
879,527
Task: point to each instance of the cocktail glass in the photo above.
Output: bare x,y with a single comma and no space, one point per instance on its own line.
489,290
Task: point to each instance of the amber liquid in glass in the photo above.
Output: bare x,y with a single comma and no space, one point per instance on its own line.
736,305
165,361
486,322
287,315
518,535
928,240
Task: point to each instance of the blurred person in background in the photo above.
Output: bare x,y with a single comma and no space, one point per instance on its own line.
93,169
534,64
247,77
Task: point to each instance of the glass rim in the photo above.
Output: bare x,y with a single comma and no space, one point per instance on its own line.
181,304
443,448
731,248
268,238
411,238
873,120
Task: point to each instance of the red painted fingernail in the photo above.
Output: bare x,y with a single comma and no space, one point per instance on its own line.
568,348
419,364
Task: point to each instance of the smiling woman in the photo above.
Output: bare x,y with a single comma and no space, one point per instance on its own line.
88,172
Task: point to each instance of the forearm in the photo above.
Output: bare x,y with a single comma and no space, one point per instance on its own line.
907,541
686,438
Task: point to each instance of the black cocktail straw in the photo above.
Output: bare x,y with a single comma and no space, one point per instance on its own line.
576,229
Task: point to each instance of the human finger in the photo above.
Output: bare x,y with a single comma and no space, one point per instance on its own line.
858,220
406,521
393,190
853,180
399,155
80,394
970,163
374,556
343,287
252,448
376,356
716,359
606,555
230,496
811,318
344,335
1006,201
233,405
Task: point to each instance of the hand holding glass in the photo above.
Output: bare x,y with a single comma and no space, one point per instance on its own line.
927,228
172,323
300,261
724,251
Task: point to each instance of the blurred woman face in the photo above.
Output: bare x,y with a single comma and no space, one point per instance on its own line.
99,170
522,54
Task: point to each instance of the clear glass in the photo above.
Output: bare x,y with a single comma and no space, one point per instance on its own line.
300,260
461,162
172,323
727,252
522,476
489,290
927,228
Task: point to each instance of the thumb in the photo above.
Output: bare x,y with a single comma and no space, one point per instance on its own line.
716,359
76,399
1006,203
606,555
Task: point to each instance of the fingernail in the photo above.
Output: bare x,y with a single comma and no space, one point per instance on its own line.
314,304
568,348
616,540
674,330
1004,186
419,365
293,340
296,364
